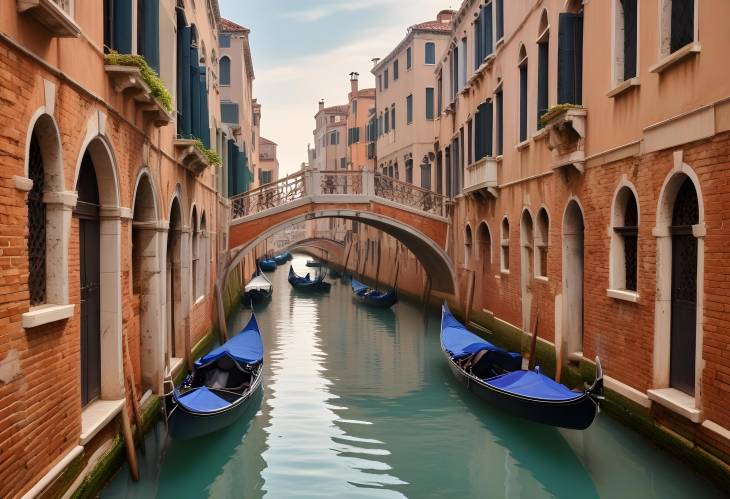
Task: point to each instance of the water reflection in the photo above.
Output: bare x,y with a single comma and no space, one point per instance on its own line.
359,402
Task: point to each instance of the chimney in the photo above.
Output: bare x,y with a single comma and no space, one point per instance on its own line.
353,82
445,16
375,60
321,104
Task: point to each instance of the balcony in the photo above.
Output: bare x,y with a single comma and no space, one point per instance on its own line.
566,128
128,80
481,178
189,156
55,15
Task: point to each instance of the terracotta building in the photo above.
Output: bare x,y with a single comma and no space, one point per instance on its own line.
111,224
406,102
360,104
268,170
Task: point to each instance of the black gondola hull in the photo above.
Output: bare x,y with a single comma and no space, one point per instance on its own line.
576,414
388,302
256,296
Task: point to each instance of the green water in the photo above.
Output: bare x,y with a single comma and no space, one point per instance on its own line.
361,403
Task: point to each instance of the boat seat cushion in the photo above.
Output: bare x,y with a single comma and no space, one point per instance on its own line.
202,400
533,385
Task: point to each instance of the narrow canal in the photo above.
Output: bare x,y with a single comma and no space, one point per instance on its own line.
360,403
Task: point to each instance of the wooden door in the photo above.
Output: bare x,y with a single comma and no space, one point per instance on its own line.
90,310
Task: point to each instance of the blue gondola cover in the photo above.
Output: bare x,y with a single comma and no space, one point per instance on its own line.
533,385
246,347
359,287
459,341
202,400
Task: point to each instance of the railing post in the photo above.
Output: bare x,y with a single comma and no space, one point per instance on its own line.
368,182
315,184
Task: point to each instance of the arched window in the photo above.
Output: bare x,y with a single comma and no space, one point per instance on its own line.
36,227
467,244
225,70
625,241
504,244
541,243
484,239
543,55
527,241
195,252
522,63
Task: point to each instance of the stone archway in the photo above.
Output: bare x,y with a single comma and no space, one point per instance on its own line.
175,313
527,237
573,270
146,283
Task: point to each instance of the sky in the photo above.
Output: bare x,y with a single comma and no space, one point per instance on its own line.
304,51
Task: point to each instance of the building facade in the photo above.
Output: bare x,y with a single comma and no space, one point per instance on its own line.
268,170
112,222
406,102
330,138
360,105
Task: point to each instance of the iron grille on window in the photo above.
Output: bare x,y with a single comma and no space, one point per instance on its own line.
36,227
683,12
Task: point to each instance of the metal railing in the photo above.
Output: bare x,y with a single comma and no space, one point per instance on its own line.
346,182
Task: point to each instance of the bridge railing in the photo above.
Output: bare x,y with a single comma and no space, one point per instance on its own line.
336,182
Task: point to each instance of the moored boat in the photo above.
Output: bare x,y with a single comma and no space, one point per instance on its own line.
495,375
281,258
216,393
267,264
258,290
369,296
307,283
313,263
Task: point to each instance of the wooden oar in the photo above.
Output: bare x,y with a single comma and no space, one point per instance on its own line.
533,341
133,389
347,258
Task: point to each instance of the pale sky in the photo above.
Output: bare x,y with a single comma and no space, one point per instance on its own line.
304,51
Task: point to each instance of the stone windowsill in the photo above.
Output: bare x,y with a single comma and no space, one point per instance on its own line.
674,57
541,278
540,134
622,294
504,271
22,184
624,86
523,145
45,314
676,401
96,416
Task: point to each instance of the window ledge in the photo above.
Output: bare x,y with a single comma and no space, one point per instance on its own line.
541,278
622,294
96,416
22,184
45,314
499,43
504,272
677,401
624,86
668,61
540,134
523,145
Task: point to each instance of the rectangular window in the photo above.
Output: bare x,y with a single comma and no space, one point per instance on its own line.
626,45
392,116
542,80
430,53
148,32
440,94
429,103
225,40
426,177
380,83
483,131
570,58
409,58
469,141
343,163
409,109
462,74
118,26
682,24
409,171
385,79
523,102
387,121
499,122
487,31
478,43
264,177
229,112
395,70
499,15
354,106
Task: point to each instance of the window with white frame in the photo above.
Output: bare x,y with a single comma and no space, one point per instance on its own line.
504,244
541,243
625,46
624,241
678,26
467,244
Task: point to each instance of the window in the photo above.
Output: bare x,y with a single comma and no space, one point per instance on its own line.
343,163
429,103
148,32
409,171
570,58
483,36
541,243
395,70
625,48
334,138
409,58
387,121
470,141
426,176
195,253
118,26
430,56
454,70
462,73
353,136
225,70
523,94
467,244
409,109
543,54
624,241
224,40
229,112
392,116
380,83
484,239
499,122
440,94
499,19
504,244
264,177
483,130
678,24
385,79
354,106
36,227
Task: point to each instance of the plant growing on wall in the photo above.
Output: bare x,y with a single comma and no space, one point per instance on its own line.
555,111
149,76
211,156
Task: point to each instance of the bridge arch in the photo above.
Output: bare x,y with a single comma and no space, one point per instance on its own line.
433,258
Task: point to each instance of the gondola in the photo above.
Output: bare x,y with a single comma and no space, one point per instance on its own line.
281,259
496,376
216,393
369,296
267,264
307,283
313,263
258,290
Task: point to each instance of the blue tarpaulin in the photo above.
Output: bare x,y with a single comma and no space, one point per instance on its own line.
202,400
533,385
459,341
245,347
358,287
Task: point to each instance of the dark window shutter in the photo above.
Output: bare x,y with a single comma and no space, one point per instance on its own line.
478,139
499,123
570,58
683,12
231,164
148,32
630,27
392,117
523,102
194,77
224,66
500,18
478,45
184,125
542,80
120,34
429,103
204,112
487,45
487,127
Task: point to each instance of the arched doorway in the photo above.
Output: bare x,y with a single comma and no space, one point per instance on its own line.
173,274
573,269
526,258
146,283
683,335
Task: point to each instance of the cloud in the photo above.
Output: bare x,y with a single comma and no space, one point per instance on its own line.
325,9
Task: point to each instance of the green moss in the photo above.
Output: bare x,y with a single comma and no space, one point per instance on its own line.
103,471
555,111
149,75
211,156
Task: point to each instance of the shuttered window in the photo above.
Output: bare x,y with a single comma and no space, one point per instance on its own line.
224,40
229,112
430,53
570,58
385,79
429,103
426,177
184,123
499,122
148,32
478,43
387,121
409,109
523,102
392,116
395,70
483,131
499,15
486,42
225,70
542,80
409,58
118,26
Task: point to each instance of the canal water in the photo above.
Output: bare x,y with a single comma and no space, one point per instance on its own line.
360,403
